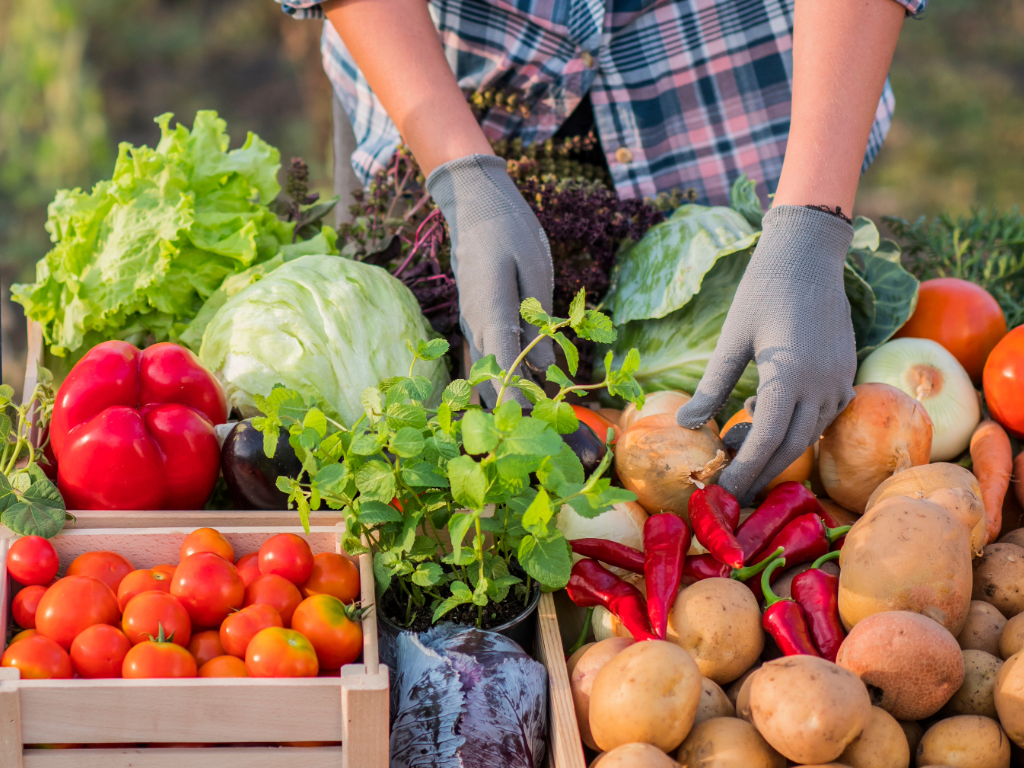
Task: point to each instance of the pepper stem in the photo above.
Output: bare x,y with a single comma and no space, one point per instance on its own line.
770,598
582,639
834,533
826,557
742,574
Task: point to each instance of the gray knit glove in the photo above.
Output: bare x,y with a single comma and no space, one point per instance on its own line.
791,316
500,256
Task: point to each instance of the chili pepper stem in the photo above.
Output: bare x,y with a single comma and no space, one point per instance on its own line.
742,574
582,639
770,597
834,533
825,558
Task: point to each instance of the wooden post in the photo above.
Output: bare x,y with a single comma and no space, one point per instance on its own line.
365,718
10,721
565,749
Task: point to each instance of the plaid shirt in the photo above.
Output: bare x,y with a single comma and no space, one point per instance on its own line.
685,93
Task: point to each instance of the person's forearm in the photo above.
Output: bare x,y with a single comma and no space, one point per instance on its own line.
842,50
396,46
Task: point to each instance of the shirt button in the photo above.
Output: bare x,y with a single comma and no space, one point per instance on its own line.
587,59
623,155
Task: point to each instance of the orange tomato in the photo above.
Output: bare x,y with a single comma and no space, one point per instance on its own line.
23,634
165,568
279,652
223,666
800,470
158,658
145,614
205,645
108,567
144,580
99,651
596,422
25,604
277,592
1004,381
73,604
248,567
207,540
332,627
38,658
962,317
209,587
240,628
333,574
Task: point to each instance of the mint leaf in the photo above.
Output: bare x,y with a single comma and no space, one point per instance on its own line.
479,434
532,312
460,596
577,309
431,350
507,416
555,375
596,326
538,514
559,415
572,355
368,444
458,526
483,369
532,391
315,420
418,387
569,464
376,512
333,478
405,415
468,482
547,560
427,574
406,442
381,572
457,394
421,474
372,400
531,437
375,481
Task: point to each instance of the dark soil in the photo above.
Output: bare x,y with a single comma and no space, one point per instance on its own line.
392,604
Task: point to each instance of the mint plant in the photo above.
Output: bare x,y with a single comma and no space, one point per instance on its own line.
456,505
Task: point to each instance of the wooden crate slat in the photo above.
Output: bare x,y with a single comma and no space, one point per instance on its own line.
366,727
10,727
237,757
190,518
564,745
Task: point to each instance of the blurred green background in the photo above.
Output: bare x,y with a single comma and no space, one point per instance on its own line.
77,76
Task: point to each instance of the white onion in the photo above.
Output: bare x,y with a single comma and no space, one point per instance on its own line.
925,370
623,523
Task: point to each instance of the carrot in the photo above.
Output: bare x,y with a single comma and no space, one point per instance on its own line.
1018,477
993,459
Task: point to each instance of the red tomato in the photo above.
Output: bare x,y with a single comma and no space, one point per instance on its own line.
73,604
108,567
276,592
596,422
333,574
137,582
158,659
223,666
25,605
205,645
1004,381
148,613
99,651
278,652
240,628
209,587
962,317
286,555
332,627
248,567
23,634
168,569
32,560
38,658
207,540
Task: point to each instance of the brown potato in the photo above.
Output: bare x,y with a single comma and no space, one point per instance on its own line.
581,680
1009,698
965,741
807,708
881,744
649,692
999,576
911,664
906,555
713,703
913,730
1016,536
984,626
743,700
634,756
572,661
718,622
976,696
734,688
725,742
1011,640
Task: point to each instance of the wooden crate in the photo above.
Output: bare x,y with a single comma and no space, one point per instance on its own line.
565,748
352,708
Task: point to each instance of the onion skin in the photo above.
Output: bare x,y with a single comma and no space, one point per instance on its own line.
881,432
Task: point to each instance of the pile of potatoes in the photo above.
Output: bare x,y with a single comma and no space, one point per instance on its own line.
928,674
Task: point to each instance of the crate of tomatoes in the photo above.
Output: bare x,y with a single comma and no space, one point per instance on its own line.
128,646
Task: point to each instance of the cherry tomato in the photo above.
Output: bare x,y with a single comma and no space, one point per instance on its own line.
276,592
248,567
962,317
286,555
240,628
168,569
596,422
207,540
209,587
145,614
279,652
32,561
205,645
137,582
333,574
158,658
99,651
25,605
223,666
332,627
23,634
1004,381
38,658
108,567
73,604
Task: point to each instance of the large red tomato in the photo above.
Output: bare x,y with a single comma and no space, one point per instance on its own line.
333,574
157,658
286,555
99,651
240,628
209,587
145,580
248,567
223,666
73,604
38,658
146,614
108,567
962,317
1004,381
205,645
332,627
277,592
32,560
278,652
207,540
25,605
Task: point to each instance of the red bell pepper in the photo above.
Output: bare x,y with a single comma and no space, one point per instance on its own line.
714,515
666,540
817,592
133,429
784,619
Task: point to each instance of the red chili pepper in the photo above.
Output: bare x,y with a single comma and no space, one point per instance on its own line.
666,541
817,592
804,540
714,515
784,503
784,619
592,584
611,552
703,567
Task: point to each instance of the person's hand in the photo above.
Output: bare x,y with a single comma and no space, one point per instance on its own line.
500,256
791,316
